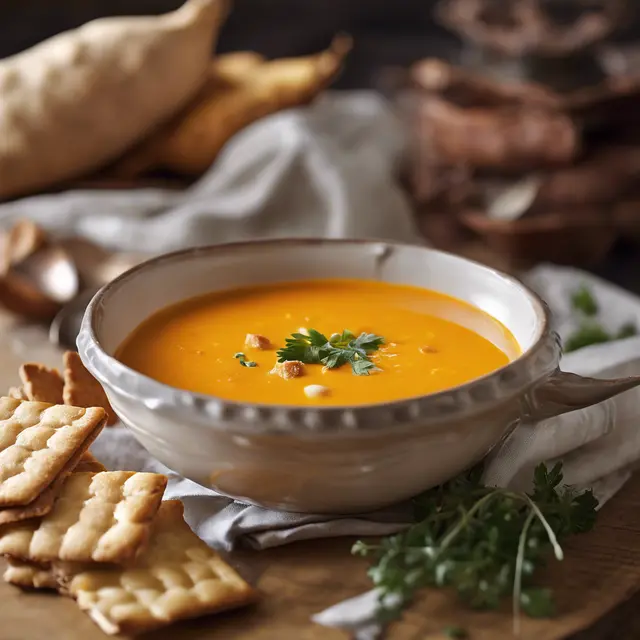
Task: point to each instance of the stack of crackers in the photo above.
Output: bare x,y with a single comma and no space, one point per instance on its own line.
104,538
75,386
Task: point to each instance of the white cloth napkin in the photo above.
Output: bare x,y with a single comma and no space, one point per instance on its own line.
325,170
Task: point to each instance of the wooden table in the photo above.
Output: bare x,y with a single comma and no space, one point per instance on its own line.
601,569
596,585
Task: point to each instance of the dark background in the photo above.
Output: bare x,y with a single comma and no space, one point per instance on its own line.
386,32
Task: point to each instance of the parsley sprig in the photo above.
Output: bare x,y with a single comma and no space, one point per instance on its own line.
243,360
483,542
583,300
589,330
336,351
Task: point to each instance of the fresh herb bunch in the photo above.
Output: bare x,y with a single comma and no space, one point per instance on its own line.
243,360
582,300
593,333
336,351
484,542
590,331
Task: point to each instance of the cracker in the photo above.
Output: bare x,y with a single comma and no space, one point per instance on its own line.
100,517
82,461
81,389
30,575
37,440
39,507
17,393
90,463
41,384
176,577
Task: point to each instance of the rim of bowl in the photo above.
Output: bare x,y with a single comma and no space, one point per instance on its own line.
152,390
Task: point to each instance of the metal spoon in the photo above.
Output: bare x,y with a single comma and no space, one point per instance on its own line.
52,272
65,327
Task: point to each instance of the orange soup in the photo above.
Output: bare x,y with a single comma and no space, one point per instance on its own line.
339,342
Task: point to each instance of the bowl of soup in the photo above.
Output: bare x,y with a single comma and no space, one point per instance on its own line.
325,376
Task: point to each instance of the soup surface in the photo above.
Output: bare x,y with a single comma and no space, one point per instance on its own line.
421,342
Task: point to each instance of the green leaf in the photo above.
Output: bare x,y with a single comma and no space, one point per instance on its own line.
335,358
537,603
368,342
590,331
485,543
582,300
338,350
587,334
341,340
363,367
309,349
243,360
315,338
627,330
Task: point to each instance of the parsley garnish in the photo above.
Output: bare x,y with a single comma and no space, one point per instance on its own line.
627,330
243,360
585,335
484,542
582,300
333,352
589,330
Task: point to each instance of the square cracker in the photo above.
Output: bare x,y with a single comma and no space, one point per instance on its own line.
100,517
81,389
17,393
89,462
37,440
177,576
82,461
30,575
41,384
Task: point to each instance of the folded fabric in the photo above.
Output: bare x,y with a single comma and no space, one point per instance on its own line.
324,170
226,524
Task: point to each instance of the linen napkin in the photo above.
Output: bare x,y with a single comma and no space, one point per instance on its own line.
328,170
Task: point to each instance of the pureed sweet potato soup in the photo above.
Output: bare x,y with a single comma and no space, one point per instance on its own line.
323,342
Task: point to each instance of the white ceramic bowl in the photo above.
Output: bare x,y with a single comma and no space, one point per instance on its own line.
335,459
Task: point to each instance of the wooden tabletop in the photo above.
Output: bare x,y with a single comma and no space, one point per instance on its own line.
601,570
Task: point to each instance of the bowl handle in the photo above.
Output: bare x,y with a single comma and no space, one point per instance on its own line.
564,392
